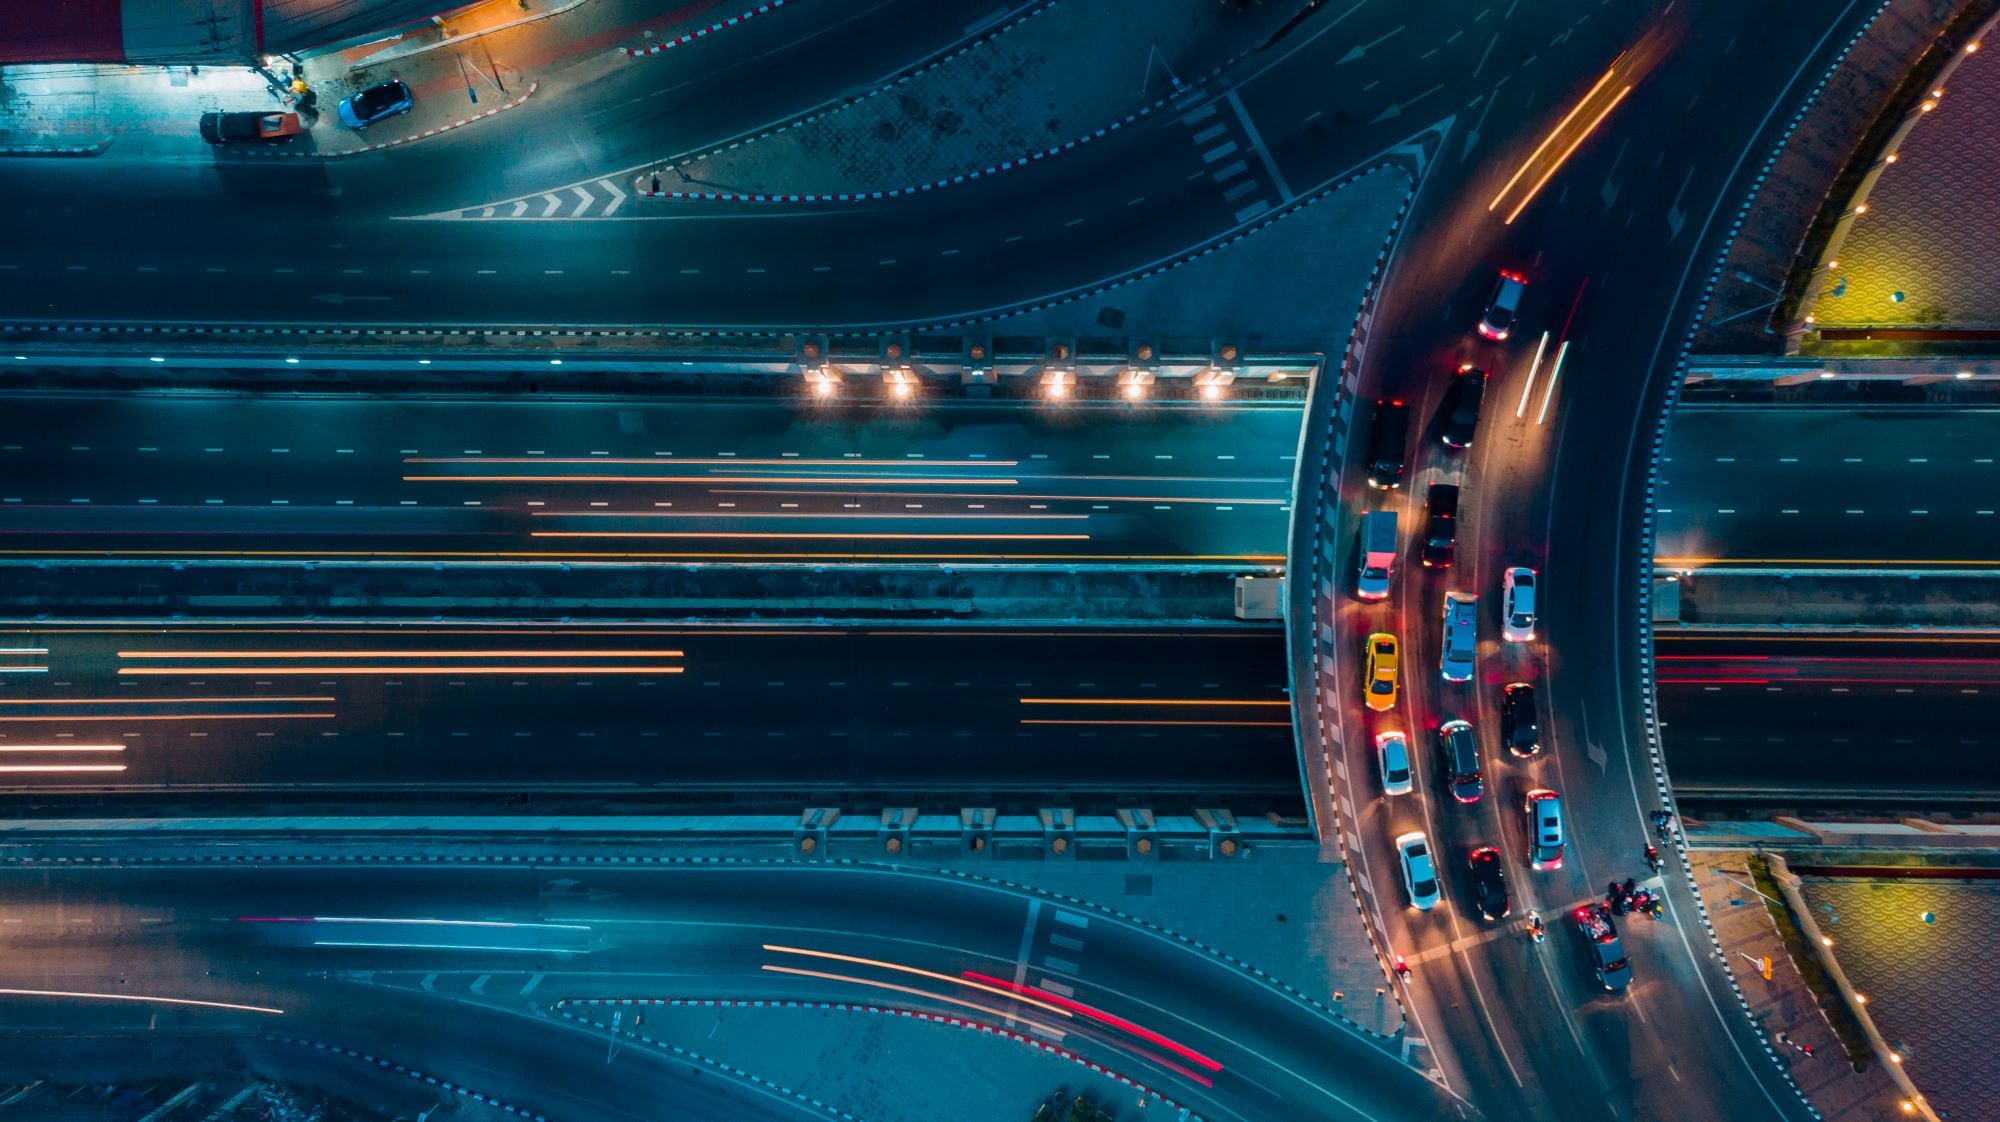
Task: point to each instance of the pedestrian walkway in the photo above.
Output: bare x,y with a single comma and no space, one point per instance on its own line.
1782,1005
483,60
1059,74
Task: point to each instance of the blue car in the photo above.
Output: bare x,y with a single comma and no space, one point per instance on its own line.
376,103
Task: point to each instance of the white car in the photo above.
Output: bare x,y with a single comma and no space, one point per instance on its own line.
1517,605
1419,871
1392,750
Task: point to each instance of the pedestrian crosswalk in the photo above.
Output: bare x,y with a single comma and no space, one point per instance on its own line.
1234,157
595,198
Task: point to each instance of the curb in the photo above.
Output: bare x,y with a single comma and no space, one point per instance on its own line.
1648,690
687,1054
413,1073
1183,1112
412,138
700,33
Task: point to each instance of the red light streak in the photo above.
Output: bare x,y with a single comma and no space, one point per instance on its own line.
1096,1014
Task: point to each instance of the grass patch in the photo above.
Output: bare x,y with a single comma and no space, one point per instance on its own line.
1846,1026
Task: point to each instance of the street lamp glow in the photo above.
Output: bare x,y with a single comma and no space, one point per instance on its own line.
1135,391
823,387
1211,391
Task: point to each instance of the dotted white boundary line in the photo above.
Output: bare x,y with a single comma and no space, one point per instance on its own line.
1649,713
878,1010
702,33
420,1076
273,154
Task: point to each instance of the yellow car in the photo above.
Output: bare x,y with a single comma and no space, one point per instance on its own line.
1381,679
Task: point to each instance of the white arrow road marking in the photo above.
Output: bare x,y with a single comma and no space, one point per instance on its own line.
520,207
617,196
554,202
585,199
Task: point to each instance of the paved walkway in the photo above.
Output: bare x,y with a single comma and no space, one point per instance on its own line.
1783,1006
1057,73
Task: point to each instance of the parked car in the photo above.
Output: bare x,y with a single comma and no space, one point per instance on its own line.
1382,684
1461,405
250,127
376,104
1489,884
1498,321
1419,870
1518,728
1392,751
1517,604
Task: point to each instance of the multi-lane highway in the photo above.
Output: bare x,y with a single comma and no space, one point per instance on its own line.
1608,246
775,481
752,717
1910,488
466,973
1847,717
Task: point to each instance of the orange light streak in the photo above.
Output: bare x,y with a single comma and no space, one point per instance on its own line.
1275,703
20,769
1560,160
151,1000
63,748
1554,132
80,718
1050,1030
154,700
948,979
1173,724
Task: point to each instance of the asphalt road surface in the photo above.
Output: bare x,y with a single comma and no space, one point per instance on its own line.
770,481
317,241
1840,717
1779,486
1686,98
751,716
465,973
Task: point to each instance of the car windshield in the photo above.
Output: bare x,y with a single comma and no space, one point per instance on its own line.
379,98
1425,887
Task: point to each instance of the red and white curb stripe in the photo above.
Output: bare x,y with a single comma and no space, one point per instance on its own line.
91,149
881,1010
413,1073
702,33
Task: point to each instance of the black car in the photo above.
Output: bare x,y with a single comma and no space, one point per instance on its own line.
1458,757
1440,526
1489,884
1518,730
1461,405
1386,454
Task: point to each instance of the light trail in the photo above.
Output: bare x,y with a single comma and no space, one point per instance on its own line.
143,999
1555,372
770,535
63,748
1553,133
1818,562
841,481
73,718
1111,1019
442,947
57,769
24,670
1049,1030
523,653
280,671
1567,152
1162,723
785,461
912,515
1151,701
1015,495
419,922
607,556
1528,386
158,700
23,650
948,979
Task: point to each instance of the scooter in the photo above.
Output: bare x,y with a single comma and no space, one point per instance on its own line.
1535,929
1402,968
1653,860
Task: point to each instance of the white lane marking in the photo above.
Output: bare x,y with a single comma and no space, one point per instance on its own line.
1027,942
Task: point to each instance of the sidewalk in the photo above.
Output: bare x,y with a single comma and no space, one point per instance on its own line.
1061,72
1785,1009
494,55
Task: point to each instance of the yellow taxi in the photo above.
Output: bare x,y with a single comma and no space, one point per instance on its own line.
1382,682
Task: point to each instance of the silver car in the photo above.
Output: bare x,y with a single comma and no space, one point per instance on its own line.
1419,870
1461,635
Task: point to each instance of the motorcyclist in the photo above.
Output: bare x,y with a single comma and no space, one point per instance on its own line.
1402,968
1535,929
1653,858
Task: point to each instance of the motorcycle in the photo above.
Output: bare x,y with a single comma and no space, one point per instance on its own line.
1653,860
1402,968
1535,929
